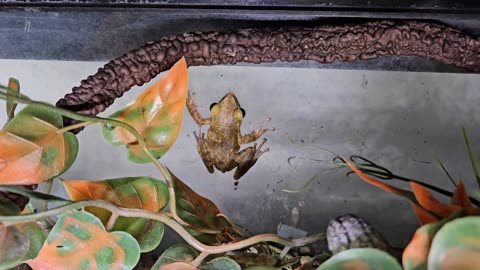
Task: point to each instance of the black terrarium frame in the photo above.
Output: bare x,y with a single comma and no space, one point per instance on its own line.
437,36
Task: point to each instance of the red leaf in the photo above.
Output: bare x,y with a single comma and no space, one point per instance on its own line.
427,201
424,217
404,193
460,196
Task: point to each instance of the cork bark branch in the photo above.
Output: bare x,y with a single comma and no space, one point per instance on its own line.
324,44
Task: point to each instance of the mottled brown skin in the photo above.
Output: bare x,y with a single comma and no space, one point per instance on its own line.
221,147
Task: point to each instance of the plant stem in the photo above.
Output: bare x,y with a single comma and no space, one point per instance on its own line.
139,213
72,127
200,258
20,98
111,221
471,156
48,189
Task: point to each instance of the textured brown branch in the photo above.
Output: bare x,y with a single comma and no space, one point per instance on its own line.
324,44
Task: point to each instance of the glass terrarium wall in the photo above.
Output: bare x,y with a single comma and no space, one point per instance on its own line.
397,111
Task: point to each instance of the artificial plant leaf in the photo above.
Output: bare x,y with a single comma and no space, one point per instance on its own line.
79,241
13,243
460,196
34,149
177,253
130,192
18,242
14,246
247,259
199,212
157,114
36,236
262,268
402,192
221,263
177,266
423,216
471,156
456,245
13,85
34,194
424,202
147,232
415,255
8,208
361,258
429,203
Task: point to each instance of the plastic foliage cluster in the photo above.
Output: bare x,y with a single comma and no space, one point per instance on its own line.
118,219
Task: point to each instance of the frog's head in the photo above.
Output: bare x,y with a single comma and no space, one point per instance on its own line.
227,107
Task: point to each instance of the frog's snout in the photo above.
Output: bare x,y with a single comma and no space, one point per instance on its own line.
231,99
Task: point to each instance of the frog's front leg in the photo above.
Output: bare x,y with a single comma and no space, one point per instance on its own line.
247,158
204,151
192,109
256,133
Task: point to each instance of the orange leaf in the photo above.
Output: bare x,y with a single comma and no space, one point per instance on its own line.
19,159
460,196
415,255
424,217
427,201
34,149
79,241
129,192
157,114
379,184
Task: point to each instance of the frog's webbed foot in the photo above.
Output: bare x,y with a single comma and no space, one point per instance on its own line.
256,133
259,151
247,158
193,110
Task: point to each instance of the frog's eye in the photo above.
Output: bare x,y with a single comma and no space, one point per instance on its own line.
238,114
213,104
243,112
214,109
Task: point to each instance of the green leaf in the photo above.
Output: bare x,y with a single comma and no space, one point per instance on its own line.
361,258
148,233
246,259
444,169
471,156
176,253
66,245
456,245
221,263
13,85
8,208
201,213
415,254
20,242
35,149
34,194
36,236
129,192
262,268
14,247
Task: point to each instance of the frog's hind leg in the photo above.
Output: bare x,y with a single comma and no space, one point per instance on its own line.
247,158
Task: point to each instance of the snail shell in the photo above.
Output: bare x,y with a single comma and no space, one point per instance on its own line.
349,231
